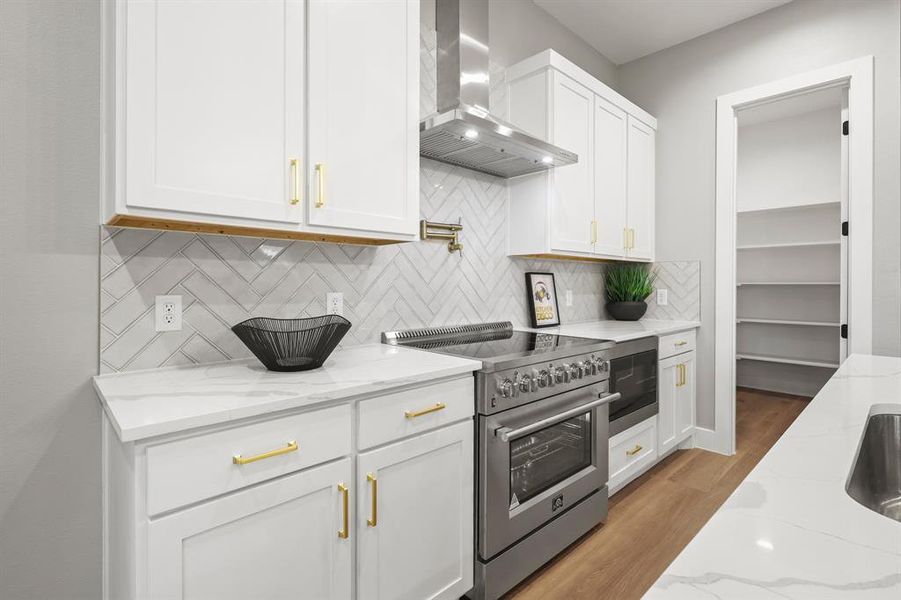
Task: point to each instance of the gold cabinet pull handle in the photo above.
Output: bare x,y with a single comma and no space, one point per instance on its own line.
681,343
295,181
374,520
320,178
345,532
594,231
631,239
678,375
240,460
626,238
634,450
412,414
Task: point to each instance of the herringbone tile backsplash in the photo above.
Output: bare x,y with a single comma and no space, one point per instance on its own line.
224,280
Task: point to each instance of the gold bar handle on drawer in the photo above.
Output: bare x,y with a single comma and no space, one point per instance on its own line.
343,533
320,178
374,520
240,460
634,450
412,414
295,181
680,343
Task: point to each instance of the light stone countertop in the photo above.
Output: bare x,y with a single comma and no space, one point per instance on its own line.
790,530
620,331
142,404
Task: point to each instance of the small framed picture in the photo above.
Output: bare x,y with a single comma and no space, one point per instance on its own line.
542,293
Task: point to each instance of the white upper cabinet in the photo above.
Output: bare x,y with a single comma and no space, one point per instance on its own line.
601,207
293,116
610,202
640,190
213,107
364,114
572,206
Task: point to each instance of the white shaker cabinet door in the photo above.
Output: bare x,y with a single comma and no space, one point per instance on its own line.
415,517
641,178
276,540
214,107
668,386
363,160
610,130
572,207
685,403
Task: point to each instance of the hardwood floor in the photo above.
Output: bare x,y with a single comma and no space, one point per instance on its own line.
653,518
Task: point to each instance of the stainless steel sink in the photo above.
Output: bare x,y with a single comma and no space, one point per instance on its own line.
875,479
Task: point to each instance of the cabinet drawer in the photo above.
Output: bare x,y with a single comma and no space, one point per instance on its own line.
394,416
631,451
676,343
192,469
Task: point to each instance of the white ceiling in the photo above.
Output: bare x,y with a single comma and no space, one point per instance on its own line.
623,30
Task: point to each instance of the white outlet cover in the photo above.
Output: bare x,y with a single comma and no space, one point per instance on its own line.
662,299
167,310
334,303
569,297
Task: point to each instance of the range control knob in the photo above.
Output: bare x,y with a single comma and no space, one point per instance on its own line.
575,371
543,378
506,388
525,384
603,366
560,374
594,366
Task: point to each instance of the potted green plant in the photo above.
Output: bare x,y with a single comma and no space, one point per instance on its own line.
626,286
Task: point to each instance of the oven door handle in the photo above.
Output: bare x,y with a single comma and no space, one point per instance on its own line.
506,434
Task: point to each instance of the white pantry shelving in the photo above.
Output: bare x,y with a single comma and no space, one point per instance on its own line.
789,251
789,322
787,360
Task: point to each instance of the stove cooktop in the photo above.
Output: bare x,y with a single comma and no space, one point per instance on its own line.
497,345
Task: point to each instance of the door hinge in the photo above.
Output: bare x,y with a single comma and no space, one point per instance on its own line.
844,331
845,228
845,128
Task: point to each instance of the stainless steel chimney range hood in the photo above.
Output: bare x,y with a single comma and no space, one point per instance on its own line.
463,132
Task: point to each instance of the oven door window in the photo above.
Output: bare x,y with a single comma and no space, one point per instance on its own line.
542,459
635,377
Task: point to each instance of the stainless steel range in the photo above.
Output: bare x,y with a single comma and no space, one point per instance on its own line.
542,434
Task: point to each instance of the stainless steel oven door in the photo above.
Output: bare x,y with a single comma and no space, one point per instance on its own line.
537,460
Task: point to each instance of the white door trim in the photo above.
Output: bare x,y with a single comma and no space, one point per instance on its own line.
857,74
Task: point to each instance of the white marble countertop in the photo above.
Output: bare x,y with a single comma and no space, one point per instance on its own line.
620,331
143,404
790,530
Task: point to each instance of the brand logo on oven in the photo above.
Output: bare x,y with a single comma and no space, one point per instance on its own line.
556,503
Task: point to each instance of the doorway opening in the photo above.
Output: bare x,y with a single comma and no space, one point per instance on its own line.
794,222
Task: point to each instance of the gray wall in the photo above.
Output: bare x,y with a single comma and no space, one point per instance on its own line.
680,85
519,28
49,417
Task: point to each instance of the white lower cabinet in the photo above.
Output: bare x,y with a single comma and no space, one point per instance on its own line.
287,506
277,540
676,397
632,452
415,517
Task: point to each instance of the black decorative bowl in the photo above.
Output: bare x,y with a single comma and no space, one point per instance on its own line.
627,311
292,344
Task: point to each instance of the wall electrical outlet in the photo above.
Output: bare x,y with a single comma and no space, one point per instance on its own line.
168,313
334,303
662,299
569,297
